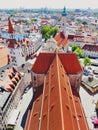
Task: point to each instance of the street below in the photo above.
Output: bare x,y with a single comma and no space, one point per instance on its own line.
24,106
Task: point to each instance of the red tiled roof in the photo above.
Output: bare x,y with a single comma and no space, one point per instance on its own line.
61,39
43,62
10,31
9,82
91,47
69,61
80,114
71,37
14,81
58,109
10,27
11,43
34,113
9,89
12,85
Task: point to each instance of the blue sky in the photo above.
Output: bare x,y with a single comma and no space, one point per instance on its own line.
48,3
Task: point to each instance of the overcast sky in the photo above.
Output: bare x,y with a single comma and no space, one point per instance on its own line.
48,3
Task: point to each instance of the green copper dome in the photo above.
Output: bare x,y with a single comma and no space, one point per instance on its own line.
64,13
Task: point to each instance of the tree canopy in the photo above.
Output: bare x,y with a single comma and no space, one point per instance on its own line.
74,47
87,61
48,31
84,23
77,50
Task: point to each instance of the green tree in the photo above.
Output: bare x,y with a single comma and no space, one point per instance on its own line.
44,30
84,23
87,61
79,21
28,22
74,47
55,30
34,20
10,127
48,31
78,52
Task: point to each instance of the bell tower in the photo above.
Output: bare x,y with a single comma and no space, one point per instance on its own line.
63,21
15,50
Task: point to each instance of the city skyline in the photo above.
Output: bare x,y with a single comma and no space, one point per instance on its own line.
49,4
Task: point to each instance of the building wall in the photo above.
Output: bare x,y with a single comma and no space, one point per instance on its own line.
90,53
37,79
63,24
16,57
19,57
75,80
32,46
11,103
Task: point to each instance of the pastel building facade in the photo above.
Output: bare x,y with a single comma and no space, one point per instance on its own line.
20,51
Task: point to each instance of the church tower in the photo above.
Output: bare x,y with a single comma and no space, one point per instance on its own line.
15,51
63,21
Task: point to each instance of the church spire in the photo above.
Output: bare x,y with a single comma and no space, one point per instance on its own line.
64,13
10,27
11,34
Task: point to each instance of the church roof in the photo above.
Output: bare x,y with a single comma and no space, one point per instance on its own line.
61,40
54,105
44,61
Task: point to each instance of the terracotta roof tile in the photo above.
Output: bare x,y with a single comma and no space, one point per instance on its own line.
44,60
10,27
57,108
8,79
34,113
11,43
70,63
90,47
81,115
61,39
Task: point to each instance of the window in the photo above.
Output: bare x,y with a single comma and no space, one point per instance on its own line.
13,58
34,78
